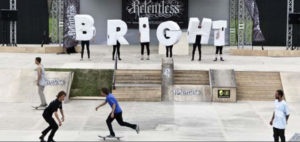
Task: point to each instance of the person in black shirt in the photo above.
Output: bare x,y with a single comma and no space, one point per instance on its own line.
47,115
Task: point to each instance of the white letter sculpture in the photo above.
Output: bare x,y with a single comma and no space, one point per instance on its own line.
193,30
168,33
205,30
84,26
116,30
219,33
144,30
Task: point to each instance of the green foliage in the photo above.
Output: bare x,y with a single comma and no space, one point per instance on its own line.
88,82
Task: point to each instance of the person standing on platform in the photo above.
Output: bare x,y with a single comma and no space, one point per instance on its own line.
197,44
47,115
169,49
219,41
41,81
143,44
87,44
116,48
280,117
116,112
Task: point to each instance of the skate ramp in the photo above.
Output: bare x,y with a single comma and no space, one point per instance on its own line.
19,85
291,83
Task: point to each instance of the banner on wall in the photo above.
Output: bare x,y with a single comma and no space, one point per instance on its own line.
71,8
251,5
157,11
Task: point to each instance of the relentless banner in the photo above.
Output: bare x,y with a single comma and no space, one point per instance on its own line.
157,11
253,10
71,8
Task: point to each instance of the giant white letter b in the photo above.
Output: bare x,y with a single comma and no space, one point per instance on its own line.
84,25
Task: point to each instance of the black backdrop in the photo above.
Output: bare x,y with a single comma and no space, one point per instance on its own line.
32,20
273,21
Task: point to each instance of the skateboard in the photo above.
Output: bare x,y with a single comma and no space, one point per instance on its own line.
38,108
105,137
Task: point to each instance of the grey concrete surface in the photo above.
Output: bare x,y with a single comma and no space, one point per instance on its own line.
241,121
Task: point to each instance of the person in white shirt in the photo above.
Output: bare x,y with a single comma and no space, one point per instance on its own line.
280,117
41,81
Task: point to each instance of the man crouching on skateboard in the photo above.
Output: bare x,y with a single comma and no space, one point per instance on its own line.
52,108
116,112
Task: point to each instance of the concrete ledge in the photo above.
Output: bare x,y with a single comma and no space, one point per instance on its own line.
269,53
33,49
87,98
246,52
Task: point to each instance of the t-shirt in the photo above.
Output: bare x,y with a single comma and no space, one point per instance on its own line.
43,80
281,111
53,107
110,99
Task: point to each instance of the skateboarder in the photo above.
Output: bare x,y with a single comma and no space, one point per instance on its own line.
41,81
47,115
280,117
116,112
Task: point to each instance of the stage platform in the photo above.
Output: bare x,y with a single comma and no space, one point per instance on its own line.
101,58
268,52
33,48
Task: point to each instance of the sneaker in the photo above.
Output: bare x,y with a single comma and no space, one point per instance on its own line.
148,58
192,59
216,59
42,138
120,59
43,105
110,136
222,59
137,129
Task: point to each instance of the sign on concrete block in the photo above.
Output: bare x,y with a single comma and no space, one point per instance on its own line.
223,85
191,93
58,81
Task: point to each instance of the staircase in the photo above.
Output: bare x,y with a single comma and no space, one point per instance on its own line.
138,85
190,77
257,86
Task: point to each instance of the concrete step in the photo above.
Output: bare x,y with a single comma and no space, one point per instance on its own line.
138,93
182,77
257,86
138,77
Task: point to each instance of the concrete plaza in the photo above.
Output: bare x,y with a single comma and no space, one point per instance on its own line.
184,121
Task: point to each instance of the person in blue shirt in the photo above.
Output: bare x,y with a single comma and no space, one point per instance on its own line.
116,112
